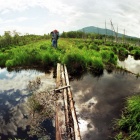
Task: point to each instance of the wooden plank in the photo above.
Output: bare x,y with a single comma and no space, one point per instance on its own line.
60,88
57,133
58,79
73,112
65,102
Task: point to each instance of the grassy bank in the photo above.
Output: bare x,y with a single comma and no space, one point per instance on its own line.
128,125
75,53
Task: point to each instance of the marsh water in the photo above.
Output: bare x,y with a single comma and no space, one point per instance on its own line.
13,98
98,100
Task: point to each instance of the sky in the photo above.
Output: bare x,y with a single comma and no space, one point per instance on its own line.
43,16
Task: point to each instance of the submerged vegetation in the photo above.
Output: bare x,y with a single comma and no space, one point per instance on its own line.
41,106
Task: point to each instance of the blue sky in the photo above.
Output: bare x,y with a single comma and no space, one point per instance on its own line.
43,16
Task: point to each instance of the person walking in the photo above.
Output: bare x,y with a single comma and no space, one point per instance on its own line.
55,36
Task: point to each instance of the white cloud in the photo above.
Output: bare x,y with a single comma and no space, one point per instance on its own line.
5,11
70,15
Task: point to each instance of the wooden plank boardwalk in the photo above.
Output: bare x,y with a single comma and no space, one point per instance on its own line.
66,122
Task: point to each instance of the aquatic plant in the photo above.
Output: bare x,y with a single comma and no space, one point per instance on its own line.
41,105
129,123
122,51
3,58
108,57
95,65
76,53
131,48
74,60
136,54
114,49
94,46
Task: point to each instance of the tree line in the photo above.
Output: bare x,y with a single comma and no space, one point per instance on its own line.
14,38
81,34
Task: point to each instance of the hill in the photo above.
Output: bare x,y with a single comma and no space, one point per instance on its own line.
97,30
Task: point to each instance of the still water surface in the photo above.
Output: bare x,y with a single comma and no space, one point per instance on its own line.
98,100
13,96
130,64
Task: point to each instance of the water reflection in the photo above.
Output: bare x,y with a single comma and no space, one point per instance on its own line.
130,64
13,97
99,100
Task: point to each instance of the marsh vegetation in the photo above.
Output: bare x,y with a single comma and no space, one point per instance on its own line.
81,53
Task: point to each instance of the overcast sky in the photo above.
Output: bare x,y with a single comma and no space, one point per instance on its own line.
42,16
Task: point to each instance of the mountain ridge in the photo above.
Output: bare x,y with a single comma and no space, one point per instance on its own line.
102,31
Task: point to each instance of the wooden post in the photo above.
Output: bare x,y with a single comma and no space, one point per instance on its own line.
124,37
116,34
105,31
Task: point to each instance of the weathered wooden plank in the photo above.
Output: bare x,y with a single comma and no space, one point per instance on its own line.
73,112
57,133
58,79
57,128
65,102
60,88
71,122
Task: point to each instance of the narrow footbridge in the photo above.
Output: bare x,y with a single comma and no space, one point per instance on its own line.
66,122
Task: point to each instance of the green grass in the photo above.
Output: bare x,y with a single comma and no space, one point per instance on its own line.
129,124
77,54
136,53
108,57
122,51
